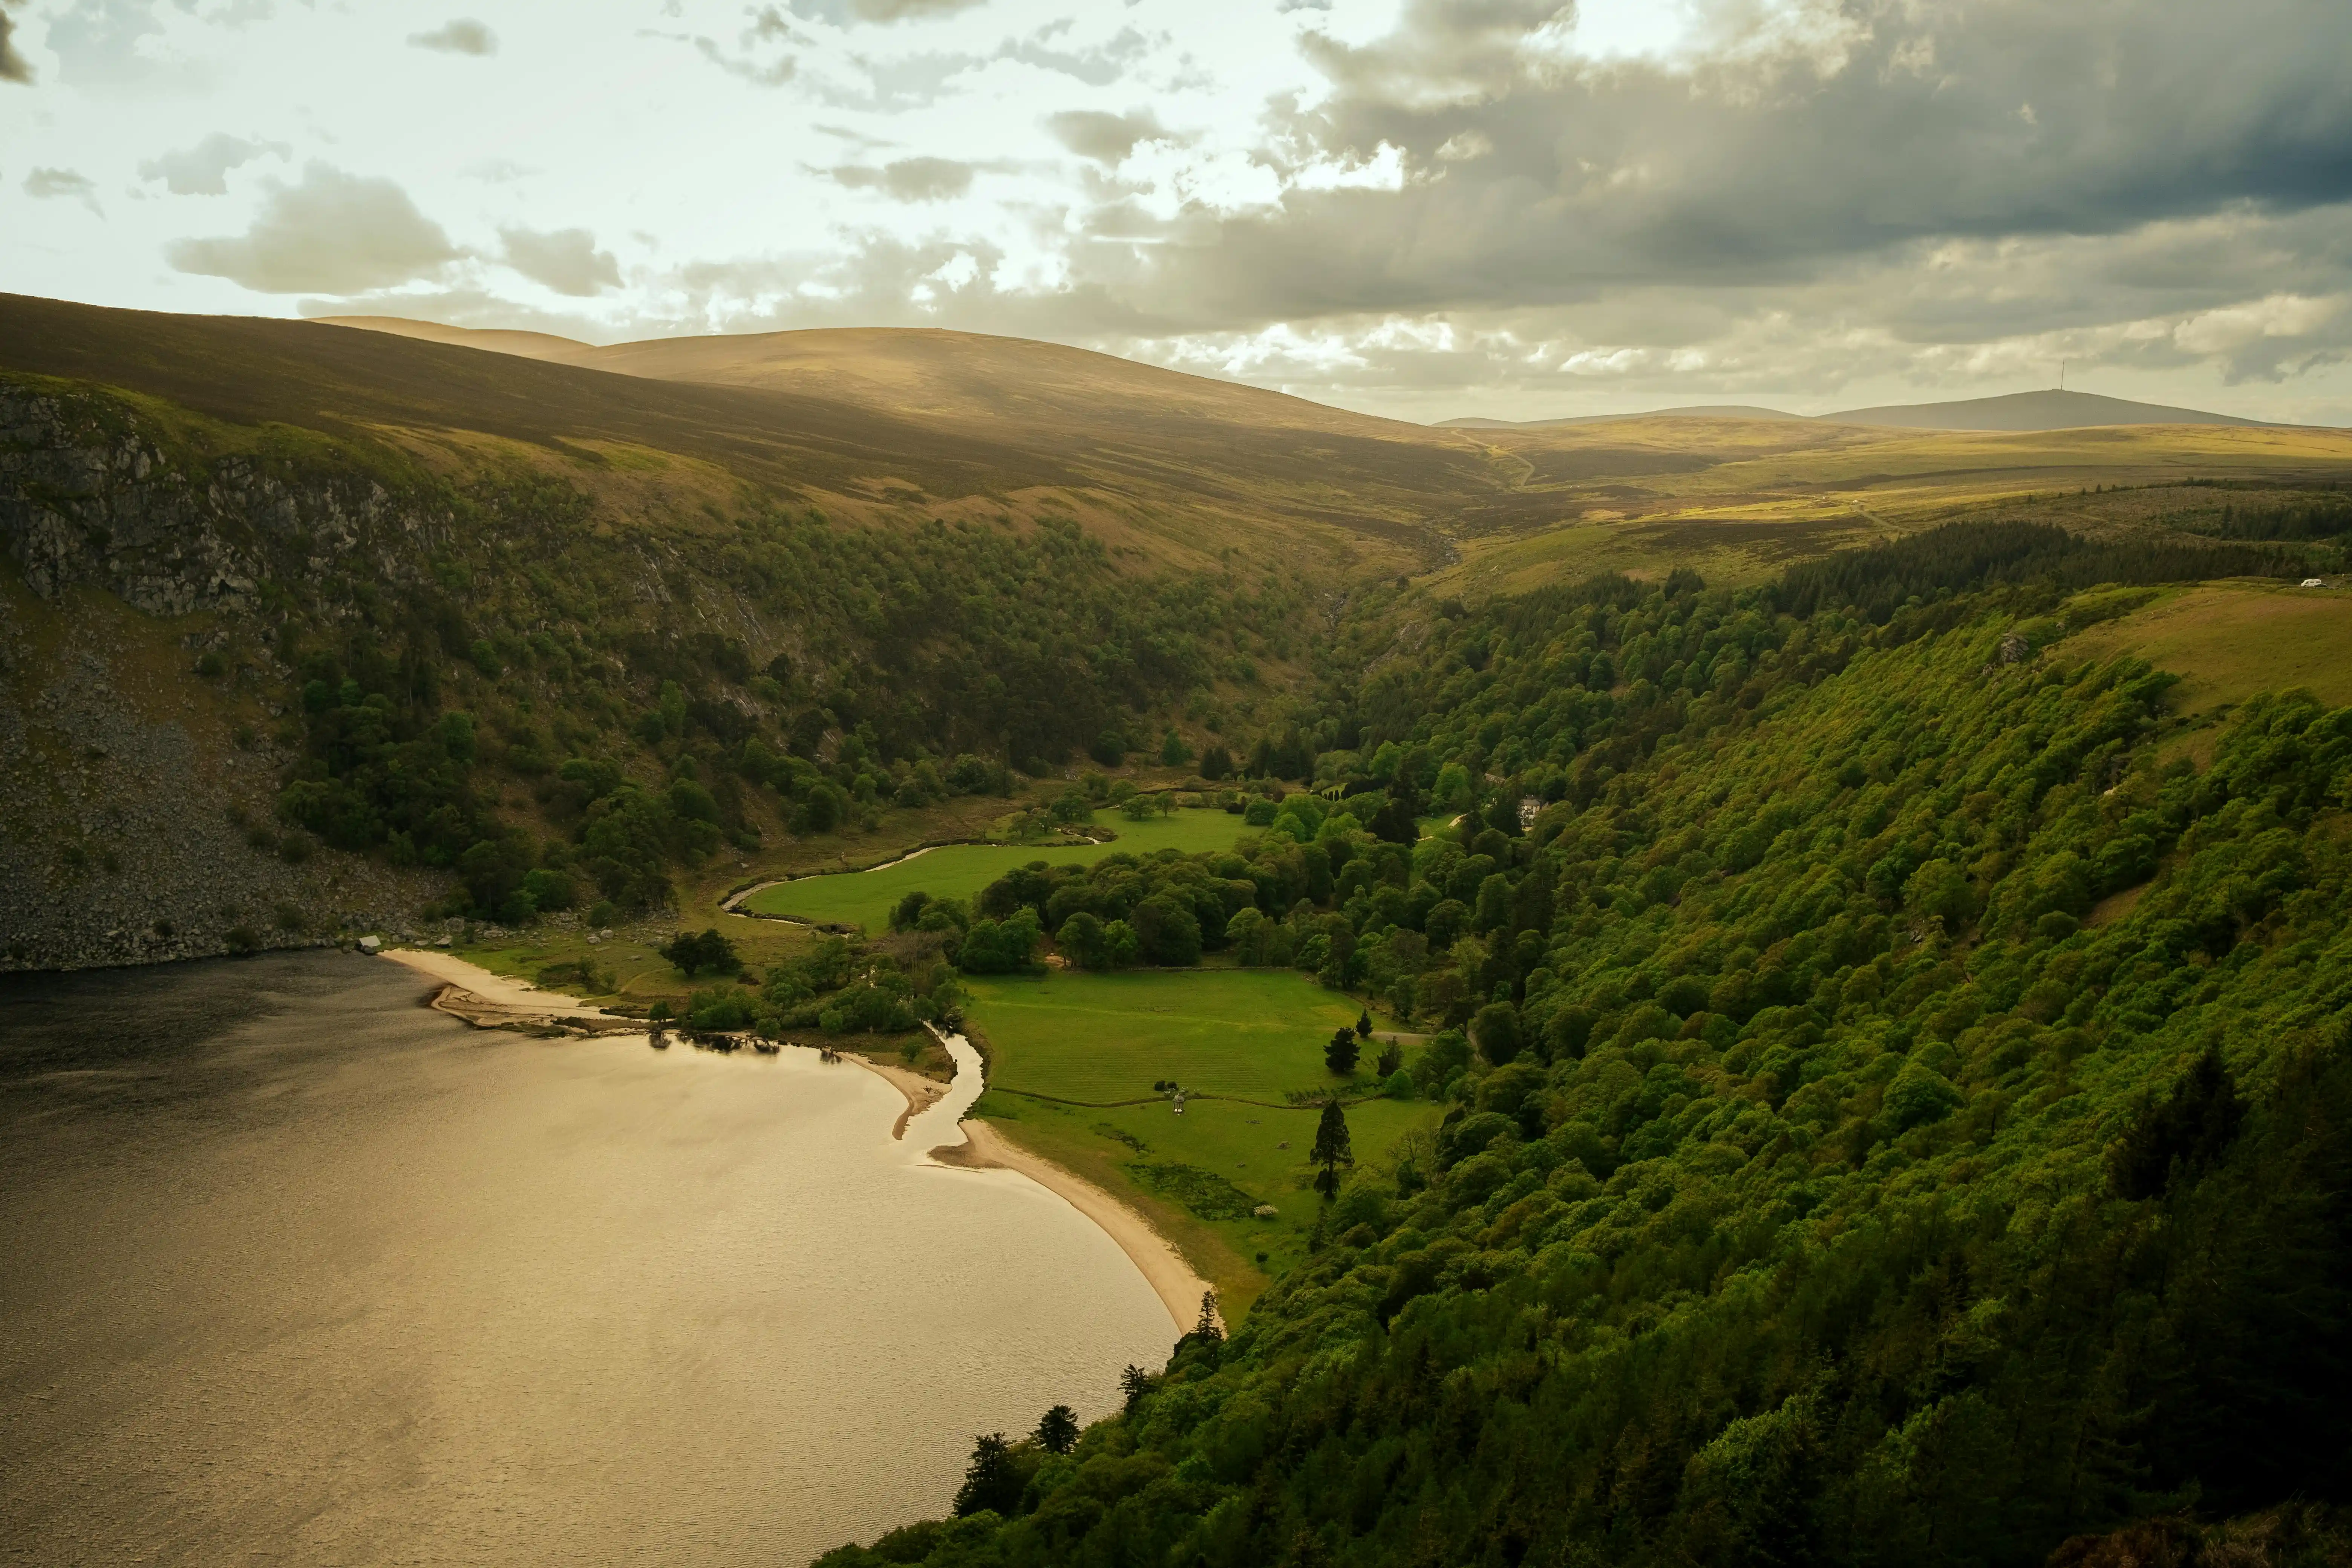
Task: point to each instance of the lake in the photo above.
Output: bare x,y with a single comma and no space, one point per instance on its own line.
300,1271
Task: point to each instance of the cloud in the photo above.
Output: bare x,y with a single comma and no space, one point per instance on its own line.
1105,138
201,170
48,184
566,260
333,233
12,65
461,35
910,179
841,12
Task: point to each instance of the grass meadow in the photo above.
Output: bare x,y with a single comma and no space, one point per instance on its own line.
1251,1034
960,870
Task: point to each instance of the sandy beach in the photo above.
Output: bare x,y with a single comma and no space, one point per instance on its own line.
1179,1288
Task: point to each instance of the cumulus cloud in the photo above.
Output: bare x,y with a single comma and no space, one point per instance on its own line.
203,170
460,35
335,233
566,260
910,179
48,184
1102,137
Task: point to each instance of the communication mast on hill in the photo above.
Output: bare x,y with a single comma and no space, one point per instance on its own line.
2061,375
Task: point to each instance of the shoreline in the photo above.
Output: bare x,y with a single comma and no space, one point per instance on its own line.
1164,1268
921,1092
487,1001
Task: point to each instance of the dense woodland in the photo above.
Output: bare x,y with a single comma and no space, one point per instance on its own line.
895,667
1898,1108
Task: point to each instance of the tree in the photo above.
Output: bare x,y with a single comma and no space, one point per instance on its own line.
992,1481
1496,1030
693,955
1391,1057
1364,1025
1341,1051
1173,752
1057,1429
1217,765
1134,1383
1081,940
1333,1148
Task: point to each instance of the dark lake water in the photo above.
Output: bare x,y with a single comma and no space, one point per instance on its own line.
295,1270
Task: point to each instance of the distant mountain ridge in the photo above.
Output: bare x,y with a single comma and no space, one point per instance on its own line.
2046,410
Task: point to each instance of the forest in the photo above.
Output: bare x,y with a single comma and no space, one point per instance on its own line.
1897,1101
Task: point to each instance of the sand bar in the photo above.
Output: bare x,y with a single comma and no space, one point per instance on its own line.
474,994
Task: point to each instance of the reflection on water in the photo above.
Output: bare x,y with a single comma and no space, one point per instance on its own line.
294,1270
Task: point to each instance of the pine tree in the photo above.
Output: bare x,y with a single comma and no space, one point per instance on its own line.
1333,1147
1364,1025
1340,1053
1057,1429
992,1481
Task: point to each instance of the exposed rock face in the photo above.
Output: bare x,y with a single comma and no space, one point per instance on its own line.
130,832
88,496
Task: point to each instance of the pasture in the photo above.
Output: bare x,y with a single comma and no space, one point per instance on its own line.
960,870
1249,1033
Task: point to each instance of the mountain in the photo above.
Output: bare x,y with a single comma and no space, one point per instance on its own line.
517,634
1698,411
2012,411
2046,410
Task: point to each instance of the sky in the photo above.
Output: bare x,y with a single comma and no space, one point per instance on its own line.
1418,209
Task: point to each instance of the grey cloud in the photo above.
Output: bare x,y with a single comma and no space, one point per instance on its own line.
566,260
202,169
1098,66
1105,138
14,66
1773,167
910,179
48,184
97,41
333,233
460,35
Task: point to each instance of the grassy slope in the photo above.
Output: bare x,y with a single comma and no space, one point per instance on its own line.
2230,640
960,870
1250,1034
1740,500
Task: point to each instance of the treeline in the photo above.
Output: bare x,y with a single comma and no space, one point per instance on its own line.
1897,1115
897,668
1874,582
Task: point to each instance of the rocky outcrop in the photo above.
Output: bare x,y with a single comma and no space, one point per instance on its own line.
90,494
132,829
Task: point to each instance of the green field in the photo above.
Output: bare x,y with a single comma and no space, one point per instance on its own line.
960,870
1252,1034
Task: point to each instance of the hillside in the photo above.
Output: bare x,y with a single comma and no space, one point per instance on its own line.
1895,1107
539,637
2045,410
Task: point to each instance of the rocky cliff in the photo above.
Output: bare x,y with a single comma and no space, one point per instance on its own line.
140,743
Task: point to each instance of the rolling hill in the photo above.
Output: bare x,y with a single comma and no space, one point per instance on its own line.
2046,410
2019,411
